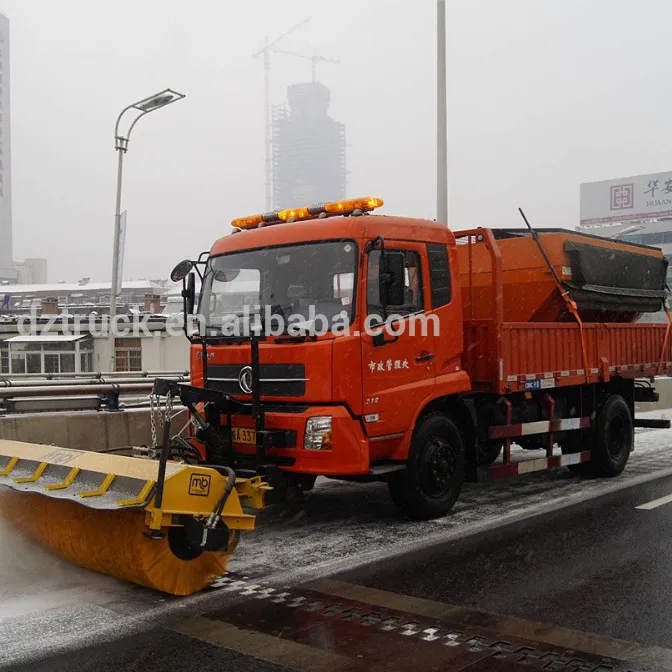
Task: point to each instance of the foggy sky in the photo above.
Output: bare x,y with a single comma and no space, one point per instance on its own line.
542,95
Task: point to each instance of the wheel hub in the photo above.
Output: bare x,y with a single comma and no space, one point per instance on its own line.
439,468
615,438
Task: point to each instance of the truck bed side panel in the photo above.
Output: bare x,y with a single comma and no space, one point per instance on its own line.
552,352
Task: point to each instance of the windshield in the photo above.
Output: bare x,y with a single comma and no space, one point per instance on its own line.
290,285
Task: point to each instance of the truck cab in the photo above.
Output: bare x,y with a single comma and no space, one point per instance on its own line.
326,335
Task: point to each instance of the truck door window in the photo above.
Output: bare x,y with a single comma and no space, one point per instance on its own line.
413,301
439,274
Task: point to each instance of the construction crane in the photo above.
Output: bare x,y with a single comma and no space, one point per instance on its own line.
266,52
314,59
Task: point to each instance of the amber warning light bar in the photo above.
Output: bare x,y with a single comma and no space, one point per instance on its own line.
352,206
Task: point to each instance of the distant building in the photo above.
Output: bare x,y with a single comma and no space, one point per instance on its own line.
75,345
31,271
308,149
7,271
81,298
80,350
634,209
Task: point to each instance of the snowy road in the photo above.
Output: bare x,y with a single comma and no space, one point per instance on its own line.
48,606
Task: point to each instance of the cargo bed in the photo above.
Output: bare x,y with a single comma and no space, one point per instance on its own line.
503,357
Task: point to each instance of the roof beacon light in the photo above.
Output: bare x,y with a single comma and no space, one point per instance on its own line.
295,215
351,205
251,222
333,209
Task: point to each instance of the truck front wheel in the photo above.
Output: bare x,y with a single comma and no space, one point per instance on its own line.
434,474
613,437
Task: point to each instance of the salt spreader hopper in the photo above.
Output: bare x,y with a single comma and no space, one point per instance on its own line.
608,279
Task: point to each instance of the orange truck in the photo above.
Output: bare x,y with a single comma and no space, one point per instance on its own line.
449,348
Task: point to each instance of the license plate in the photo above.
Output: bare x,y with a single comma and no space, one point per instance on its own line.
244,435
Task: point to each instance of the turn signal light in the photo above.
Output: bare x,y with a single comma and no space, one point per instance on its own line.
320,211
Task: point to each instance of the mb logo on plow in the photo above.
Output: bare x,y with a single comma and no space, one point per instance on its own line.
199,485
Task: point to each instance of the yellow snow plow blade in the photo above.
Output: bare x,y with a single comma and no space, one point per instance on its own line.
100,511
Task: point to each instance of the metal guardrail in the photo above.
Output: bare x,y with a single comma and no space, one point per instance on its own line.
55,384
64,390
25,395
96,375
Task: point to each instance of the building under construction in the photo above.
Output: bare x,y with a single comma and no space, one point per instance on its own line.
308,149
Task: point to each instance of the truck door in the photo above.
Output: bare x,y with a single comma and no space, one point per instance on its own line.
399,372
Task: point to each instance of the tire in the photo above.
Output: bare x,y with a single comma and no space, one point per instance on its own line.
613,438
434,474
488,452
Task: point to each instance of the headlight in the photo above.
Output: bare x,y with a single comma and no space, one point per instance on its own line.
318,433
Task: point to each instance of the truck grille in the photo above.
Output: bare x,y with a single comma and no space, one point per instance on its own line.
277,380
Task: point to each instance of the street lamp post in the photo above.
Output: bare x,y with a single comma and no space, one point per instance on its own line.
144,106
441,116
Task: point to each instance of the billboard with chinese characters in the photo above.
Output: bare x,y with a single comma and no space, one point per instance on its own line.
626,200
7,270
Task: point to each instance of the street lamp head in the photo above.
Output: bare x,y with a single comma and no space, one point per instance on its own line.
152,104
159,100
144,106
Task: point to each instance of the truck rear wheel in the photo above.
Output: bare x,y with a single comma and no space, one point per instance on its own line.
613,437
434,474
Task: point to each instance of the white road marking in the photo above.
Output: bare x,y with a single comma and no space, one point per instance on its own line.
655,503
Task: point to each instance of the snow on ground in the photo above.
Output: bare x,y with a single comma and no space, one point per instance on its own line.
29,574
48,605
358,521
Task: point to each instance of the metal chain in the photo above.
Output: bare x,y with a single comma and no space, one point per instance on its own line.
153,412
168,410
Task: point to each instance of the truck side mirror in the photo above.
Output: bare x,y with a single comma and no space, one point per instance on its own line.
181,271
392,278
189,294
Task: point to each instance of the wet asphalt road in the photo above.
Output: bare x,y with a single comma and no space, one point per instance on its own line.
601,567
155,652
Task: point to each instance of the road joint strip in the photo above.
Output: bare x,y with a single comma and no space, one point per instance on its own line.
469,633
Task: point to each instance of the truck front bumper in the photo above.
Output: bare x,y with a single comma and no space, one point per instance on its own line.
349,454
